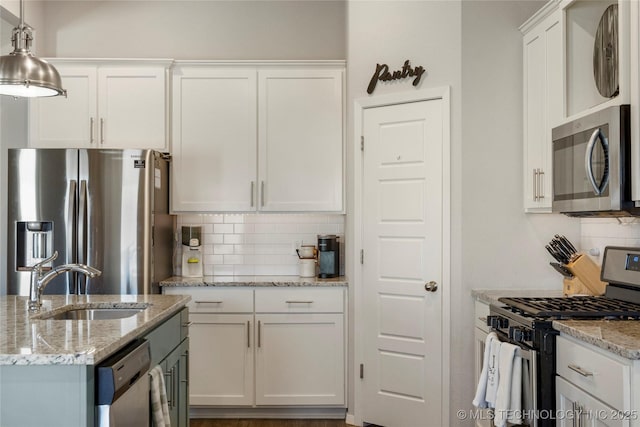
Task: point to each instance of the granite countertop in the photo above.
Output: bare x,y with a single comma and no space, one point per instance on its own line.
621,337
253,281
490,296
27,340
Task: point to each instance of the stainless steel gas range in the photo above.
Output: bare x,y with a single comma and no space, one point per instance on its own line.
528,323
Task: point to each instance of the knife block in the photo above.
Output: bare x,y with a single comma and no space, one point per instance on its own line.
588,272
574,286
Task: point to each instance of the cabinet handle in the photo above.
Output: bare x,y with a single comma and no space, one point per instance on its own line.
101,131
579,370
187,324
541,184
248,334
262,193
173,386
299,302
91,139
535,185
208,302
577,414
259,333
169,387
253,184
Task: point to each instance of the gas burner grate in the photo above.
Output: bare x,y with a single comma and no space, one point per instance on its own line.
574,307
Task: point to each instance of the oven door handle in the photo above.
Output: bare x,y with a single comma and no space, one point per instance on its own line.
588,161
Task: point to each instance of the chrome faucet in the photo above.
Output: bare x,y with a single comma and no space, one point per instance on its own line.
39,281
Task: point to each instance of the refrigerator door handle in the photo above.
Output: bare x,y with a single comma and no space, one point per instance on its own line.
71,233
82,230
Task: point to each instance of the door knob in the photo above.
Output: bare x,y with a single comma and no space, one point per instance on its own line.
431,286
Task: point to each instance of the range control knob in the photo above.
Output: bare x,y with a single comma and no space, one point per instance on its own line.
519,334
497,322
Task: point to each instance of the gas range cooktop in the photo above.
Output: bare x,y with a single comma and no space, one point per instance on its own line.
582,307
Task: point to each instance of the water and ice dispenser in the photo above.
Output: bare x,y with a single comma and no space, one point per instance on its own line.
33,244
192,251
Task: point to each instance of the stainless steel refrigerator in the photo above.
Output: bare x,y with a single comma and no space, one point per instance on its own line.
105,208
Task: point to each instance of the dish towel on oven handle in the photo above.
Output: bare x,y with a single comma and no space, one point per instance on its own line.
159,406
489,373
509,386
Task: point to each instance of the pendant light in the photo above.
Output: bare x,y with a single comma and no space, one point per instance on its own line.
24,75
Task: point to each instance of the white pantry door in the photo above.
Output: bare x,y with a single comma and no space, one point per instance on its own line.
403,244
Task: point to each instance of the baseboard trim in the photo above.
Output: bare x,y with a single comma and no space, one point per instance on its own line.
298,413
350,419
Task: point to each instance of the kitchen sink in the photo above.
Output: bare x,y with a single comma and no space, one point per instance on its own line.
93,313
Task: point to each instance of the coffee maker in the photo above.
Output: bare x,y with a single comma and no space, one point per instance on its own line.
192,251
328,256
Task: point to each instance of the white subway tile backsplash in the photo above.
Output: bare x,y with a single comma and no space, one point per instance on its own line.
223,228
223,270
233,239
233,219
223,249
259,244
244,228
597,233
265,228
234,259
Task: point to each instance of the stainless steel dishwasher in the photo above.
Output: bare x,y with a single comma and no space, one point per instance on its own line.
122,387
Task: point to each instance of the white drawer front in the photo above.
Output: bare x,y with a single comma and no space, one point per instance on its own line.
602,376
216,300
300,300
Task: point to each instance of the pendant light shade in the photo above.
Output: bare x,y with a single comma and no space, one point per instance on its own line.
24,75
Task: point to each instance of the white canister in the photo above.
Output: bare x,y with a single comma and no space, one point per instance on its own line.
307,267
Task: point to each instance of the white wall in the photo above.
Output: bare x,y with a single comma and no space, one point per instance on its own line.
475,48
428,33
204,29
501,246
13,132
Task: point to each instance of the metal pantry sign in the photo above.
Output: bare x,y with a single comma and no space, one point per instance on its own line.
383,74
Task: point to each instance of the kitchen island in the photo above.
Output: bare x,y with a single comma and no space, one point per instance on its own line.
47,366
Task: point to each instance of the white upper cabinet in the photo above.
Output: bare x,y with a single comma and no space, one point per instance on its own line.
214,139
257,137
110,104
300,139
543,103
560,83
582,20
69,121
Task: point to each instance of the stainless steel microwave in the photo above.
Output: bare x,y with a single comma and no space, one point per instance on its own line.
592,165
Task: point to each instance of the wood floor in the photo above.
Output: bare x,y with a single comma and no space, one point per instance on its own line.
266,423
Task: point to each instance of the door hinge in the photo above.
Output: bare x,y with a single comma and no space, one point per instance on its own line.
362,143
361,256
361,370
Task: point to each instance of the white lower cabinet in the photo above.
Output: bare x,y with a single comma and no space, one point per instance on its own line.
576,407
289,351
221,374
593,387
300,359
